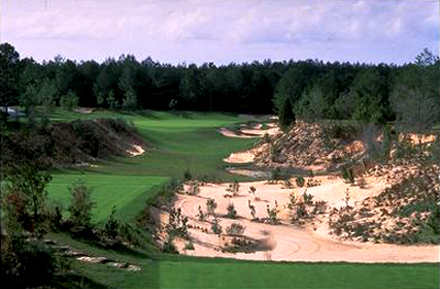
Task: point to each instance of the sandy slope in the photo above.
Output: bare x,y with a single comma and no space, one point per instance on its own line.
286,242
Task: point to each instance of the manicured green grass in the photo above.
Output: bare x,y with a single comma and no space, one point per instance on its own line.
198,273
177,142
127,193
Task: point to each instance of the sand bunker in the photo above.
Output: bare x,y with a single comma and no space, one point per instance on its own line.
254,131
136,150
287,242
84,110
240,158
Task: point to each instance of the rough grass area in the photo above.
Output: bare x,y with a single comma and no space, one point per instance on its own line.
127,193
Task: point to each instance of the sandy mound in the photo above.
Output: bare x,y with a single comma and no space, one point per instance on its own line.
287,242
311,145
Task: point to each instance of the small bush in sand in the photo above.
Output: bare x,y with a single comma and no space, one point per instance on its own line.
177,224
301,213
307,198
347,174
292,201
253,211
347,199
234,188
300,181
310,173
272,214
319,207
235,229
215,227
168,247
194,188
232,213
211,205
189,246
201,215
252,190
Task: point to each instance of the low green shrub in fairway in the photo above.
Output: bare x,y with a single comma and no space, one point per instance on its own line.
127,193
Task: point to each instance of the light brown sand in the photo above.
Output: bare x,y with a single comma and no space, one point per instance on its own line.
136,150
286,242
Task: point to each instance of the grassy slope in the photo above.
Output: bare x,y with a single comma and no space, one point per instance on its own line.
191,142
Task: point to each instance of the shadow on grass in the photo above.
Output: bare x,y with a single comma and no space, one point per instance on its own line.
76,281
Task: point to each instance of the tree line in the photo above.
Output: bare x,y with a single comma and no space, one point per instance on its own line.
308,89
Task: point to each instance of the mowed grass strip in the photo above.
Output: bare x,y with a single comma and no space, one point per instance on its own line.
127,193
202,273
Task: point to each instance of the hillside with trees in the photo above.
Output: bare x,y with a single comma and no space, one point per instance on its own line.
309,89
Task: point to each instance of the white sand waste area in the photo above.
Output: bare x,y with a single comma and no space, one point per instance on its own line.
287,242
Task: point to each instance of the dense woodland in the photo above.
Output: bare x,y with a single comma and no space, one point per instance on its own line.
309,89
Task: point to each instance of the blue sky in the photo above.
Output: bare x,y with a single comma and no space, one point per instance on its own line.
223,31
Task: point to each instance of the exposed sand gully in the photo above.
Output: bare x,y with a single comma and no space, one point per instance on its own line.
287,242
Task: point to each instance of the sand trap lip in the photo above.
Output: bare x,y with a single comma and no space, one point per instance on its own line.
254,131
136,150
288,242
240,158
249,173
229,133
85,110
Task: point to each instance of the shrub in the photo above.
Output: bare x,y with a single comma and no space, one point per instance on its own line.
292,201
112,225
27,263
81,205
177,224
253,211
69,101
235,229
211,205
307,198
234,187
252,190
320,207
168,247
232,213
189,246
187,176
200,214
272,214
215,227
300,181
347,174
194,188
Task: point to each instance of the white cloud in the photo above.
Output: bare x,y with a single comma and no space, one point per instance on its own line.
217,28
